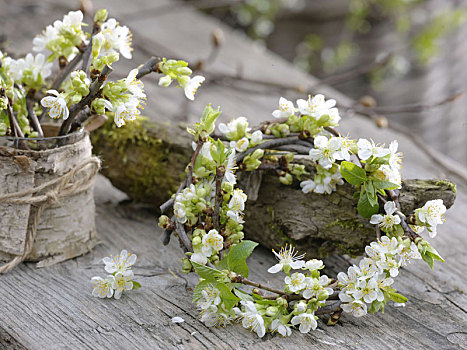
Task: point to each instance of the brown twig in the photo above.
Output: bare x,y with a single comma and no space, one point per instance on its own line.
66,71
240,279
80,118
182,236
218,199
267,145
149,66
328,309
85,101
32,114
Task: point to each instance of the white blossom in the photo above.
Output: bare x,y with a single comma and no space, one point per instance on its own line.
210,295
123,281
41,41
395,158
296,282
286,109
251,319
212,317
103,288
432,214
315,106
192,86
390,174
229,175
256,137
366,149
38,65
388,221
212,241
283,329
313,264
135,86
117,38
240,145
127,111
199,258
306,321
237,205
287,257
356,307
119,263
322,184
326,152
349,280
235,129
315,285
367,290
56,105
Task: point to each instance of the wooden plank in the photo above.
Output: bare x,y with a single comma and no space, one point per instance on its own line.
52,308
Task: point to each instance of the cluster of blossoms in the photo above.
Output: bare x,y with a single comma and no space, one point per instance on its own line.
25,81
209,211
120,278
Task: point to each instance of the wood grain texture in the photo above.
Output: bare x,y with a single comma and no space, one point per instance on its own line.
52,308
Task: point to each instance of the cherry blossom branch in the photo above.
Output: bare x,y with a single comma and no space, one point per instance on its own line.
182,236
85,101
328,309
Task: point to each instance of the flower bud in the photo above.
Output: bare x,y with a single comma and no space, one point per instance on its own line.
183,80
259,153
97,42
101,15
200,206
272,310
286,179
198,233
322,295
184,71
165,81
227,187
196,240
164,221
186,265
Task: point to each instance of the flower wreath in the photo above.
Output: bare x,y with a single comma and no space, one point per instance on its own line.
208,211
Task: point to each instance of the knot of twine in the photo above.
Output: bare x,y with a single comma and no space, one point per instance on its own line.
47,194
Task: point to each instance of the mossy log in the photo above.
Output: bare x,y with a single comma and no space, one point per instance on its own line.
147,160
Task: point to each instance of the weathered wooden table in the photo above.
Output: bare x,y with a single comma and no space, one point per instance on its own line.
52,308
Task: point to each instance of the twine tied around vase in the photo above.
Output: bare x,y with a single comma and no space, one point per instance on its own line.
47,194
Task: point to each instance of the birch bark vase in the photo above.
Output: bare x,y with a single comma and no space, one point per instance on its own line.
52,177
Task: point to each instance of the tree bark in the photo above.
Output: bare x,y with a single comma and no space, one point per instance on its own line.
147,160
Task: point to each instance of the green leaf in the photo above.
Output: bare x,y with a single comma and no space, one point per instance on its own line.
207,273
242,295
384,185
397,298
136,285
434,254
364,207
228,298
371,193
235,259
428,259
376,306
352,173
